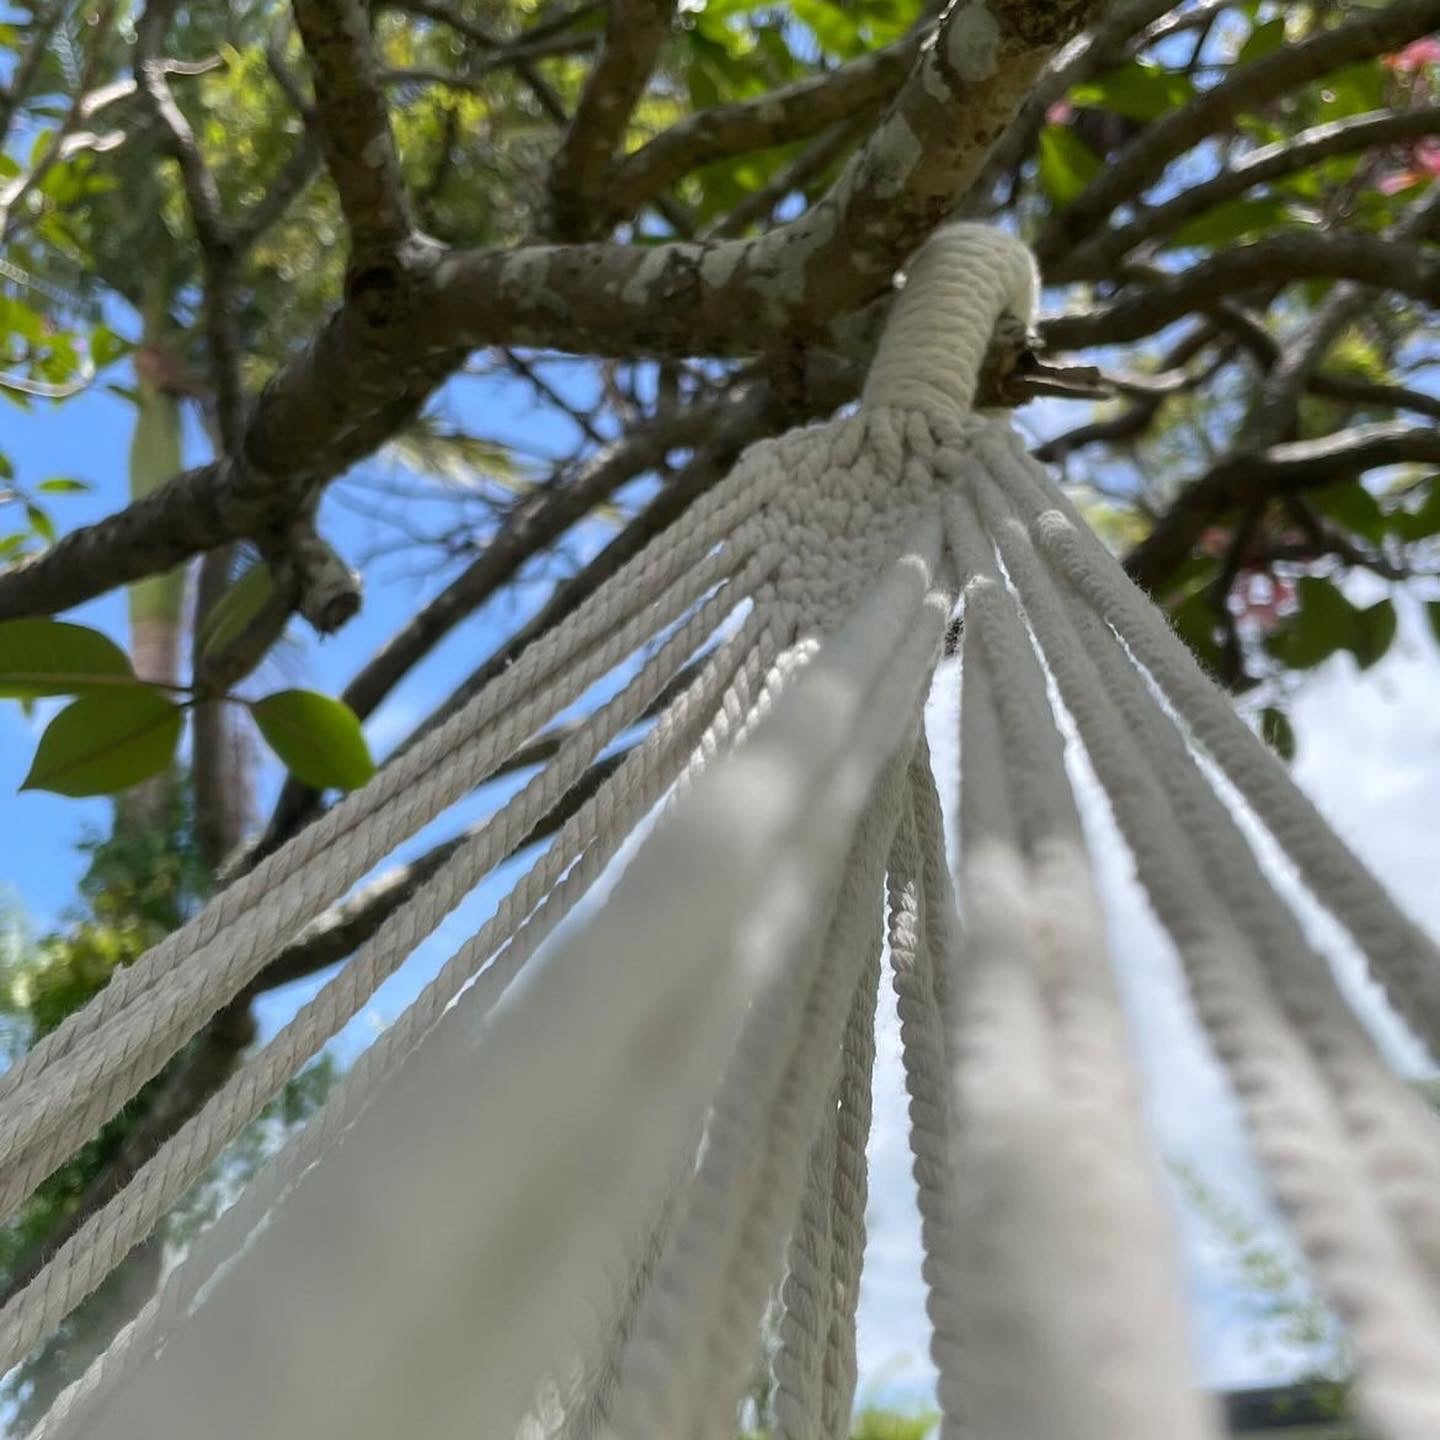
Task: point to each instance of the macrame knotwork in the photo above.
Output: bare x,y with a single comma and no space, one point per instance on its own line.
559,1193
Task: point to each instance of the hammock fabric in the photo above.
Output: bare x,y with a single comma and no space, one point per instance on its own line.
557,1194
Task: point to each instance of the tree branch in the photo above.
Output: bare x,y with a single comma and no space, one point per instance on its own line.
1372,32
1280,470
634,33
355,129
218,254
1294,255
1097,258
16,91
403,328
537,523
1085,56
795,112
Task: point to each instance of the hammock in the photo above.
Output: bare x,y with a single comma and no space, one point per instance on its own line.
557,1195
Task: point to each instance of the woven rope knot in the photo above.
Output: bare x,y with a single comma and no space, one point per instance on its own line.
959,284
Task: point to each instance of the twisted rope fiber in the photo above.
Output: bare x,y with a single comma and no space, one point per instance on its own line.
98,1247
409,790
692,1024
1393,1129
1403,959
657,760
913,958
806,1299
1300,1141
814,1375
579,1127
851,1194
847,951
742,702
497,837
1115,1239
708,1252
822,746
188,998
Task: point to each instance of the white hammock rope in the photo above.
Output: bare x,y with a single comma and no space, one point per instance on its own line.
556,1195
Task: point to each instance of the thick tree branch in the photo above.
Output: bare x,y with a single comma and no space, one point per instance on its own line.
1350,255
1371,32
1279,471
1097,258
404,327
355,128
1084,57
634,32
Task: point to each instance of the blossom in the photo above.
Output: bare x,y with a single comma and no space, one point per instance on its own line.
1416,55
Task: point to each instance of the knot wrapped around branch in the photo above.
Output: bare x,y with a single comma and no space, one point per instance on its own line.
960,284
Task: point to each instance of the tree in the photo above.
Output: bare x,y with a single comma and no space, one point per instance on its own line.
313,219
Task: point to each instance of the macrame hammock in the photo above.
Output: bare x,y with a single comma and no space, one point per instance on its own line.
557,1195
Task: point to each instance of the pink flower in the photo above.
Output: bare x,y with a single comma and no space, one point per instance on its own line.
1060,113
1416,55
1398,180
1426,155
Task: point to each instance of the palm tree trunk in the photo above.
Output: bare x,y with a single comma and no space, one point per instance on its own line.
157,604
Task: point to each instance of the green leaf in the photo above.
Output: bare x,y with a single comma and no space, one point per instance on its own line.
1354,508
100,744
1067,165
1278,732
236,608
41,523
62,485
1422,522
1138,91
1326,622
1432,614
7,470
1262,41
317,737
1195,622
1374,631
1230,222
106,346
54,657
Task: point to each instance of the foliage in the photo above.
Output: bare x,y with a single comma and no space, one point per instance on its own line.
122,730
140,884
1288,1313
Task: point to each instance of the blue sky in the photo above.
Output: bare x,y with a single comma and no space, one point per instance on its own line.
1369,753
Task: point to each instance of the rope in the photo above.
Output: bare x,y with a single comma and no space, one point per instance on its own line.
64,1105
1297,1135
573,1194
668,562
594,834
1404,961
